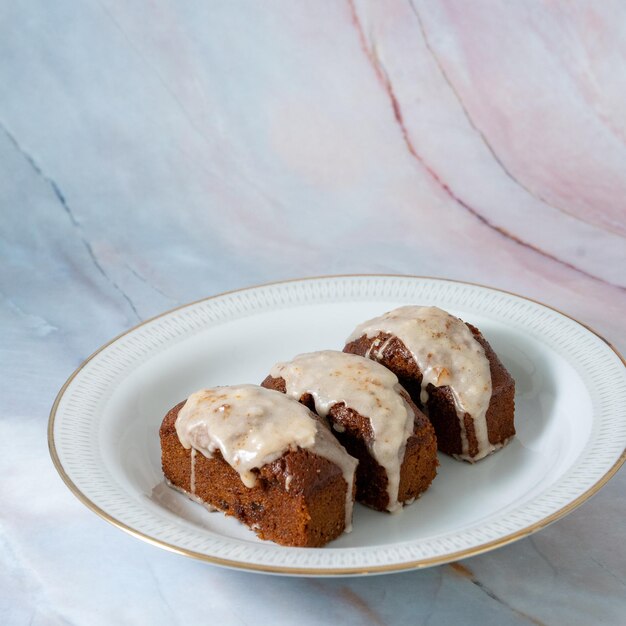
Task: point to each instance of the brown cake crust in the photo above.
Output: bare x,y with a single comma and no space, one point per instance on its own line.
298,500
418,468
440,405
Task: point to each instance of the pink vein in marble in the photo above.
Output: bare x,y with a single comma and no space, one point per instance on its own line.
484,108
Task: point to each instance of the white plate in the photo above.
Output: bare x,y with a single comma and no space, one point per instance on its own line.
570,419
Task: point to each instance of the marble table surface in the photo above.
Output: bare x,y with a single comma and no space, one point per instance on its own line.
153,153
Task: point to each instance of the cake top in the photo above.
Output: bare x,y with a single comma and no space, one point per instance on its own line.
370,389
252,426
447,354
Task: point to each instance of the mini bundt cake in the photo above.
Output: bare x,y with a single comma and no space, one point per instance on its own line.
372,416
450,370
262,457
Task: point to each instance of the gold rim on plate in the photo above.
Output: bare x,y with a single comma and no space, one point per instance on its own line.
381,569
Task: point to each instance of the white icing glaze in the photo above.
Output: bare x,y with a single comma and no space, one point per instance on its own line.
252,426
192,477
447,353
365,386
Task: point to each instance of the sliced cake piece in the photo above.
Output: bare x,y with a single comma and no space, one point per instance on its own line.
267,460
450,370
372,416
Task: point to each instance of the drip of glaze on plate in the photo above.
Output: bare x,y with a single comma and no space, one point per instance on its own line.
364,386
192,496
447,354
252,426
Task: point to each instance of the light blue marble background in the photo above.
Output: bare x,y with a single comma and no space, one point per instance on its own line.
153,153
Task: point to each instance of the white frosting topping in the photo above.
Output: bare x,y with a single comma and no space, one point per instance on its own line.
447,354
365,386
252,426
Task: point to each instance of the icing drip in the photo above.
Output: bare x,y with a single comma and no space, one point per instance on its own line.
192,478
448,355
364,386
377,347
252,426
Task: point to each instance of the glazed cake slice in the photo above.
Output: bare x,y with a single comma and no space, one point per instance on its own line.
372,416
450,370
265,459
